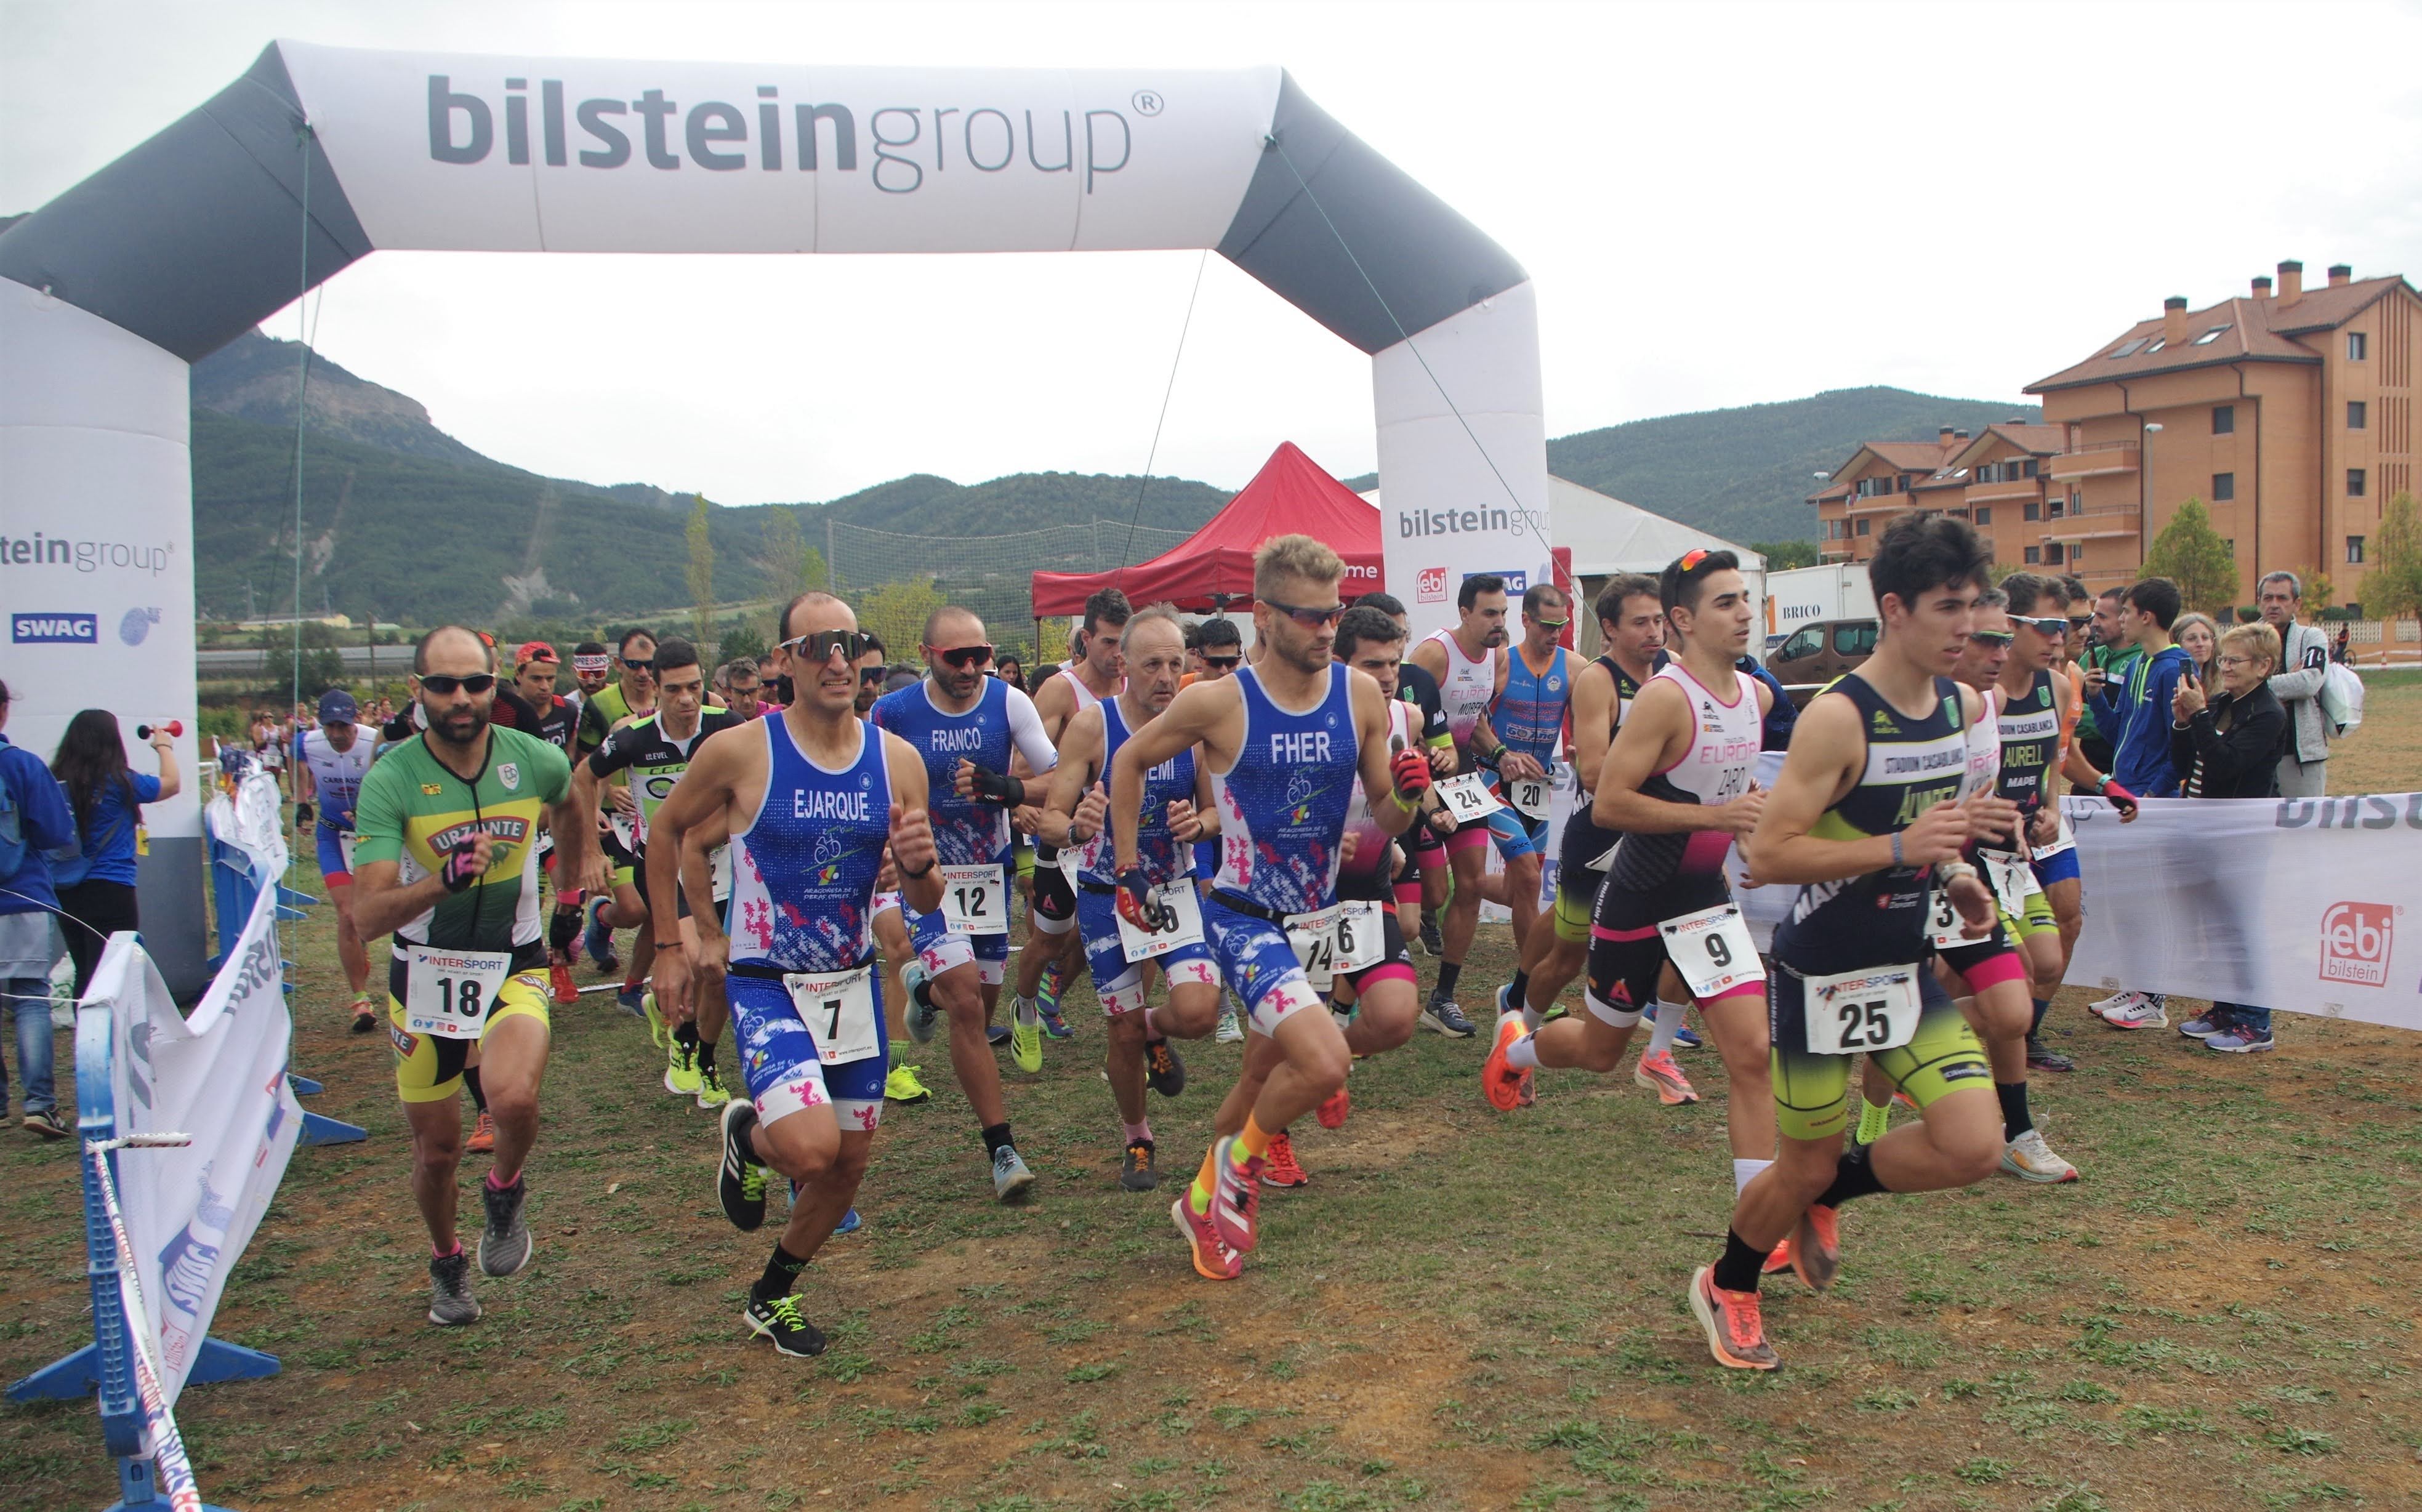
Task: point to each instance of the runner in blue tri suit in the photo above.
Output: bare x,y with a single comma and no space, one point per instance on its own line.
1284,741
811,800
965,725
329,765
1530,717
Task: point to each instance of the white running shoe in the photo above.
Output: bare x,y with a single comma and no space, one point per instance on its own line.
2139,1012
1231,1026
2029,1158
2120,1000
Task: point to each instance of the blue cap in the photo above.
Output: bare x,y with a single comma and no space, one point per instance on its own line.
337,706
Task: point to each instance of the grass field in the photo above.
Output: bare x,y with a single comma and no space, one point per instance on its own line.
1463,1310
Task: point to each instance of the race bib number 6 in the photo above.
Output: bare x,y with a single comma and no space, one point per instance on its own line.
1338,940
1468,798
1184,913
975,899
1857,1012
1713,950
837,1007
449,993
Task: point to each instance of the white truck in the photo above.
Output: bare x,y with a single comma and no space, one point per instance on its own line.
1820,622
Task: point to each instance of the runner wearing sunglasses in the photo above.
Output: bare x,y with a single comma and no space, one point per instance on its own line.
1528,715
632,694
1468,662
535,670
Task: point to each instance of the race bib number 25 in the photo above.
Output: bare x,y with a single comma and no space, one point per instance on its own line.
1857,1012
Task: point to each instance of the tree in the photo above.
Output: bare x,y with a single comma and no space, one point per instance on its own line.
738,641
2193,555
700,575
791,566
2393,588
1783,556
897,612
321,666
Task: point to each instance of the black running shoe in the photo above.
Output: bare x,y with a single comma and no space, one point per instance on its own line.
450,1303
2042,1056
1137,1171
1431,940
1162,1070
740,1180
779,1319
504,1244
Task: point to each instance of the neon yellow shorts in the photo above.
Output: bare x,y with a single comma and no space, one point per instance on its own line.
1025,863
1573,911
429,1068
1812,1097
2038,919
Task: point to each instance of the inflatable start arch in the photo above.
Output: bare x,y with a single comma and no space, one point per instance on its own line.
109,291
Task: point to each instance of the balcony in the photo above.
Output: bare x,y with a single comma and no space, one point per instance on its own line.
2098,460
2096,522
2021,489
1879,504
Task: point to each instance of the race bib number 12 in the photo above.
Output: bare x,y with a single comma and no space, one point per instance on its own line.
975,899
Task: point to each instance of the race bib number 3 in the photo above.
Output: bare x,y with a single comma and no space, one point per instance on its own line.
449,993
1468,798
1944,929
1713,950
1857,1012
837,1007
975,899
1338,940
1184,913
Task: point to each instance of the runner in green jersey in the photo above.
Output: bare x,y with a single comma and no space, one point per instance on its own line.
447,862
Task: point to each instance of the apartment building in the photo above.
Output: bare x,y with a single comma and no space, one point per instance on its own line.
1996,480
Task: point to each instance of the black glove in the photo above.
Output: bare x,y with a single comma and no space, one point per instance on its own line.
462,867
301,813
1137,907
989,786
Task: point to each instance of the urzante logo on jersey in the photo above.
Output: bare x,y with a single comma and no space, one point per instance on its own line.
504,829
2356,938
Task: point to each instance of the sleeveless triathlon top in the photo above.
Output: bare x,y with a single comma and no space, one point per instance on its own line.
1086,697
967,831
1670,875
337,774
1467,688
1530,715
2032,739
1984,748
1369,874
1912,764
1282,804
1161,856
803,872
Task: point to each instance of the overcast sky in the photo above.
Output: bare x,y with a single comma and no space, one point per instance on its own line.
1721,204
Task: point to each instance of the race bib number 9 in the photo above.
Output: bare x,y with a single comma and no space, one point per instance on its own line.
1859,1011
1468,798
837,1007
1338,940
449,993
1713,950
975,899
1184,913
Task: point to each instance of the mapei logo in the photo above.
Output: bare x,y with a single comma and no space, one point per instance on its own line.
2355,941
54,629
1430,587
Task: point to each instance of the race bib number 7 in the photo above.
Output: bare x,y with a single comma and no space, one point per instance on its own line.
975,899
449,993
1713,950
1859,1011
837,1007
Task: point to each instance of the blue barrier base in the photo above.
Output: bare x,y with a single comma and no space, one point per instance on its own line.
303,1086
78,1374
318,1128
139,1487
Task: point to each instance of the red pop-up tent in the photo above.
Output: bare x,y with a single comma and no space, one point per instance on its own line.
1290,496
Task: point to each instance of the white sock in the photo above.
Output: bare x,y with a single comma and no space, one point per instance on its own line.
1523,1053
1530,1019
1743,1171
1152,1025
1667,1023
1342,1017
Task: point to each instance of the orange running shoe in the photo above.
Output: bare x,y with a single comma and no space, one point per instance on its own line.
1817,1247
1500,1082
1736,1334
1662,1076
1279,1168
1334,1107
1779,1259
483,1135
559,977
1213,1259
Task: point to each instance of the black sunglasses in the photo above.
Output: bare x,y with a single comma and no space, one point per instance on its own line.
1224,663
964,656
819,645
2050,625
1993,638
1308,619
443,686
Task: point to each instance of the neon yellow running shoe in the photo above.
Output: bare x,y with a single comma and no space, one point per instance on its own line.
657,1028
1026,1038
902,1085
712,1093
681,1070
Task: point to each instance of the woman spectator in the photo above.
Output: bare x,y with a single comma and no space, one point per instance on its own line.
96,885
34,821
2228,746
2199,639
1009,671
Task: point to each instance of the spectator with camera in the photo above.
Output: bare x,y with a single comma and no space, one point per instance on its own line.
2226,743
2296,679
2132,715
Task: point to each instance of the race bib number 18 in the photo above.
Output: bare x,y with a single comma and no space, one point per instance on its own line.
975,899
1857,1012
449,993
837,1007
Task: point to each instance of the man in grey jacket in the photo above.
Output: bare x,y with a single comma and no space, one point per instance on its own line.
2305,768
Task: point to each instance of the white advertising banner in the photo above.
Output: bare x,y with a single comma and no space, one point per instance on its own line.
219,1076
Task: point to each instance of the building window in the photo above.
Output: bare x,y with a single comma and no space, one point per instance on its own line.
2354,483
1863,525
2128,350
2223,420
2354,550
2035,556
2053,554
2034,510
2027,468
2224,487
2053,508
2357,347
1984,514
2209,336
2356,414
1902,487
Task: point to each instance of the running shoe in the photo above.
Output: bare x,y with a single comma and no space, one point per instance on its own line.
2042,1056
1279,1167
922,1012
2204,1026
1335,1107
902,1086
450,1303
1736,1334
740,1180
483,1135
1011,1180
1660,1074
2029,1158
559,978
632,999
505,1243
712,1093
1026,1037
598,940
850,1223
779,1319
1213,1259
681,1070
2102,1008
1778,1260
1432,941
1163,1072
1235,1195
1817,1247
2239,1039
1137,1171
1686,1038
1442,1014
996,1035
657,1028
1500,1082
48,1122
1053,1025
1232,1024
366,1019
2143,1013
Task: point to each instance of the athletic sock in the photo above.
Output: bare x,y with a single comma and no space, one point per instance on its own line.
1744,1171
479,1093
1449,973
1517,992
781,1271
631,981
1853,1176
685,1033
2043,1006
1252,1141
1142,1131
1737,1272
2016,1120
706,1055
1523,1054
1152,1026
1198,1196
1667,1022
996,1137
1874,1119
445,1255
